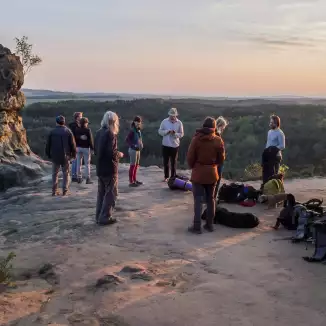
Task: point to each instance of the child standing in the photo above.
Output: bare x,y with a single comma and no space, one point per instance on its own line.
135,143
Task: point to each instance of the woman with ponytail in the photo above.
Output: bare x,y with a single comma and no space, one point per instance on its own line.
135,143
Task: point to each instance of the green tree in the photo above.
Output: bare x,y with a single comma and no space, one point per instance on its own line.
24,50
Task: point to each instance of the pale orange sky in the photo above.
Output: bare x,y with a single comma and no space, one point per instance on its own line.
201,47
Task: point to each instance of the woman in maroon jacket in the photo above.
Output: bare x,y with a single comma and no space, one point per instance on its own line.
135,143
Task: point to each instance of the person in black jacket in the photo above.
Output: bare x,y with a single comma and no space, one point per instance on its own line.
60,149
85,146
73,126
106,151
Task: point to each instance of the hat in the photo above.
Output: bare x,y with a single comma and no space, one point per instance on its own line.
60,120
173,112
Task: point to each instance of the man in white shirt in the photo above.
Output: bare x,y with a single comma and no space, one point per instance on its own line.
171,130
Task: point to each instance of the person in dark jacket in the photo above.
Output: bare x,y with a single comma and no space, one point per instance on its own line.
73,126
106,151
135,143
60,149
205,154
85,146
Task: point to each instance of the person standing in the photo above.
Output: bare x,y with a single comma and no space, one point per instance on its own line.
205,154
135,143
221,124
171,129
85,146
106,151
272,155
73,127
60,149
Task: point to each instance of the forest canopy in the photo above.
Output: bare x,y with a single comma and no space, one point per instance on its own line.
245,137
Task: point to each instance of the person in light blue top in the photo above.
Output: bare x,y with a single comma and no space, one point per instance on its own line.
276,141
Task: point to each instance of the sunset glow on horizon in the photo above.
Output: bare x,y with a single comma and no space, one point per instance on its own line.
199,47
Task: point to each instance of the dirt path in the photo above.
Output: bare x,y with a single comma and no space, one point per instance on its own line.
147,270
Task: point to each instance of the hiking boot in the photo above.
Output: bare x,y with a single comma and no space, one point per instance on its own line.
133,185
209,227
74,179
56,193
139,183
110,221
89,181
194,230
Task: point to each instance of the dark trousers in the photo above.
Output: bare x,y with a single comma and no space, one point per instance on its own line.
170,157
106,198
65,176
271,168
200,191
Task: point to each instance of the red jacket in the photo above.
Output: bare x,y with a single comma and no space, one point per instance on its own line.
206,152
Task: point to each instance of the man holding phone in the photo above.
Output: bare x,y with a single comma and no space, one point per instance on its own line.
171,129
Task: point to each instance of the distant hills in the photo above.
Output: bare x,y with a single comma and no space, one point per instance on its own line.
41,95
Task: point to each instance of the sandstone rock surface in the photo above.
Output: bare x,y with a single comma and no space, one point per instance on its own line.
18,164
229,277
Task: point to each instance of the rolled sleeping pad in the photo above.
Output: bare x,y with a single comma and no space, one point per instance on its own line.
182,184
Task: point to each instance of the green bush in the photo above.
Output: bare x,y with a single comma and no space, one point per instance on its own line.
6,268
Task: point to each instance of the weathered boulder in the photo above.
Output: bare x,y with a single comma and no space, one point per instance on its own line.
18,164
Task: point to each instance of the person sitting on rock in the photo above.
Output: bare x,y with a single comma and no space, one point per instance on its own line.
60,149
205,154
85,146
106,151
274,185
135,143
73,127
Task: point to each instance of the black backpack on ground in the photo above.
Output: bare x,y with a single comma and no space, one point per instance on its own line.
232,193
234,220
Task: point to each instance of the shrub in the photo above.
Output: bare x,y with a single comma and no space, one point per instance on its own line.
6,268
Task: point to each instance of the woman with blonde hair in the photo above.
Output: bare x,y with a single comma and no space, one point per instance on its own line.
106,151
221,124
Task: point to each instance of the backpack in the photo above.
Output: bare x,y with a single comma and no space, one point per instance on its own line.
175,184
237,192
232,193
233,219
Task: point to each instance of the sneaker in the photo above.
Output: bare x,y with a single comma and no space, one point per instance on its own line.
194,230
166,180
133,185
74,179
209,228
110,221
89,181
65,193
79,180
139,183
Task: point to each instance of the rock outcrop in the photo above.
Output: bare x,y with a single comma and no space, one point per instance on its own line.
18,164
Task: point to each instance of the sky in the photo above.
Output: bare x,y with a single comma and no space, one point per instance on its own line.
185,47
